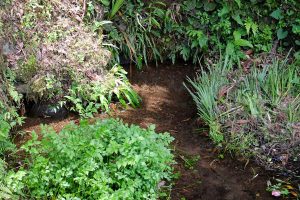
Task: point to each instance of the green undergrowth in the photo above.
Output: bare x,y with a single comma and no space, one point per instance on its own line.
253,113
89,98
159,31
103,160
60,59
56,48
10,102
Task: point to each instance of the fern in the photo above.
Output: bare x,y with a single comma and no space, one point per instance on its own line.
254,28
250,25
89,98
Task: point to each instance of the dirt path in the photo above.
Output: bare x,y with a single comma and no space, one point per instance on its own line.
167,104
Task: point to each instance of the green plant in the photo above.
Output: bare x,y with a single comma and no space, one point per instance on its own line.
251,113
5,143
116,5
277,80
283,189
205,89
9,103
190,161
10,182
147,31
10,99
104,160
47,88
88,98
62,58
28,68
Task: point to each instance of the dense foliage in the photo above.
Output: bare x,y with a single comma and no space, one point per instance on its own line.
9,117
88,98
104,160
253,113
54,54
160,31
10,101
55,60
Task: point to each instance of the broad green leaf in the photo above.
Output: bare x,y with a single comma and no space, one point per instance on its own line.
225,10
238,2
230,48
237,34
203,41
237,18
4,129
105,2
281,34
209,6
276,14
243,43
296,29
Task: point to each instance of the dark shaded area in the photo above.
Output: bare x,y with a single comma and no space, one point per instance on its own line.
55,111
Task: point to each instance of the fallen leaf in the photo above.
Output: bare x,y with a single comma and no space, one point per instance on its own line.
294,193
289,187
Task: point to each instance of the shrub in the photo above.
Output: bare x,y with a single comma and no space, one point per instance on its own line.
10,101
104,160
55,55
89,98
147,30
254,114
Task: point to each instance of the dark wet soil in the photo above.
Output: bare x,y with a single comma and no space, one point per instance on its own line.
167,104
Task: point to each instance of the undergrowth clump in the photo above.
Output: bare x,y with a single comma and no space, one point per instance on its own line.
10,101
50,49
254,113
88,97
159,31
103,160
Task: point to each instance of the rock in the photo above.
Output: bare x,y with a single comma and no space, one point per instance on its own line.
7,49
55,111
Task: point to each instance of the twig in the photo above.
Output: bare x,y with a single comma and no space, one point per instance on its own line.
84,9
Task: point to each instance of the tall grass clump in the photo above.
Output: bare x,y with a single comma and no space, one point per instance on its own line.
253,113
205,90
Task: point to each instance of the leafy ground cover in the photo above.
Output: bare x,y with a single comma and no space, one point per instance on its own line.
103,160
175,30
